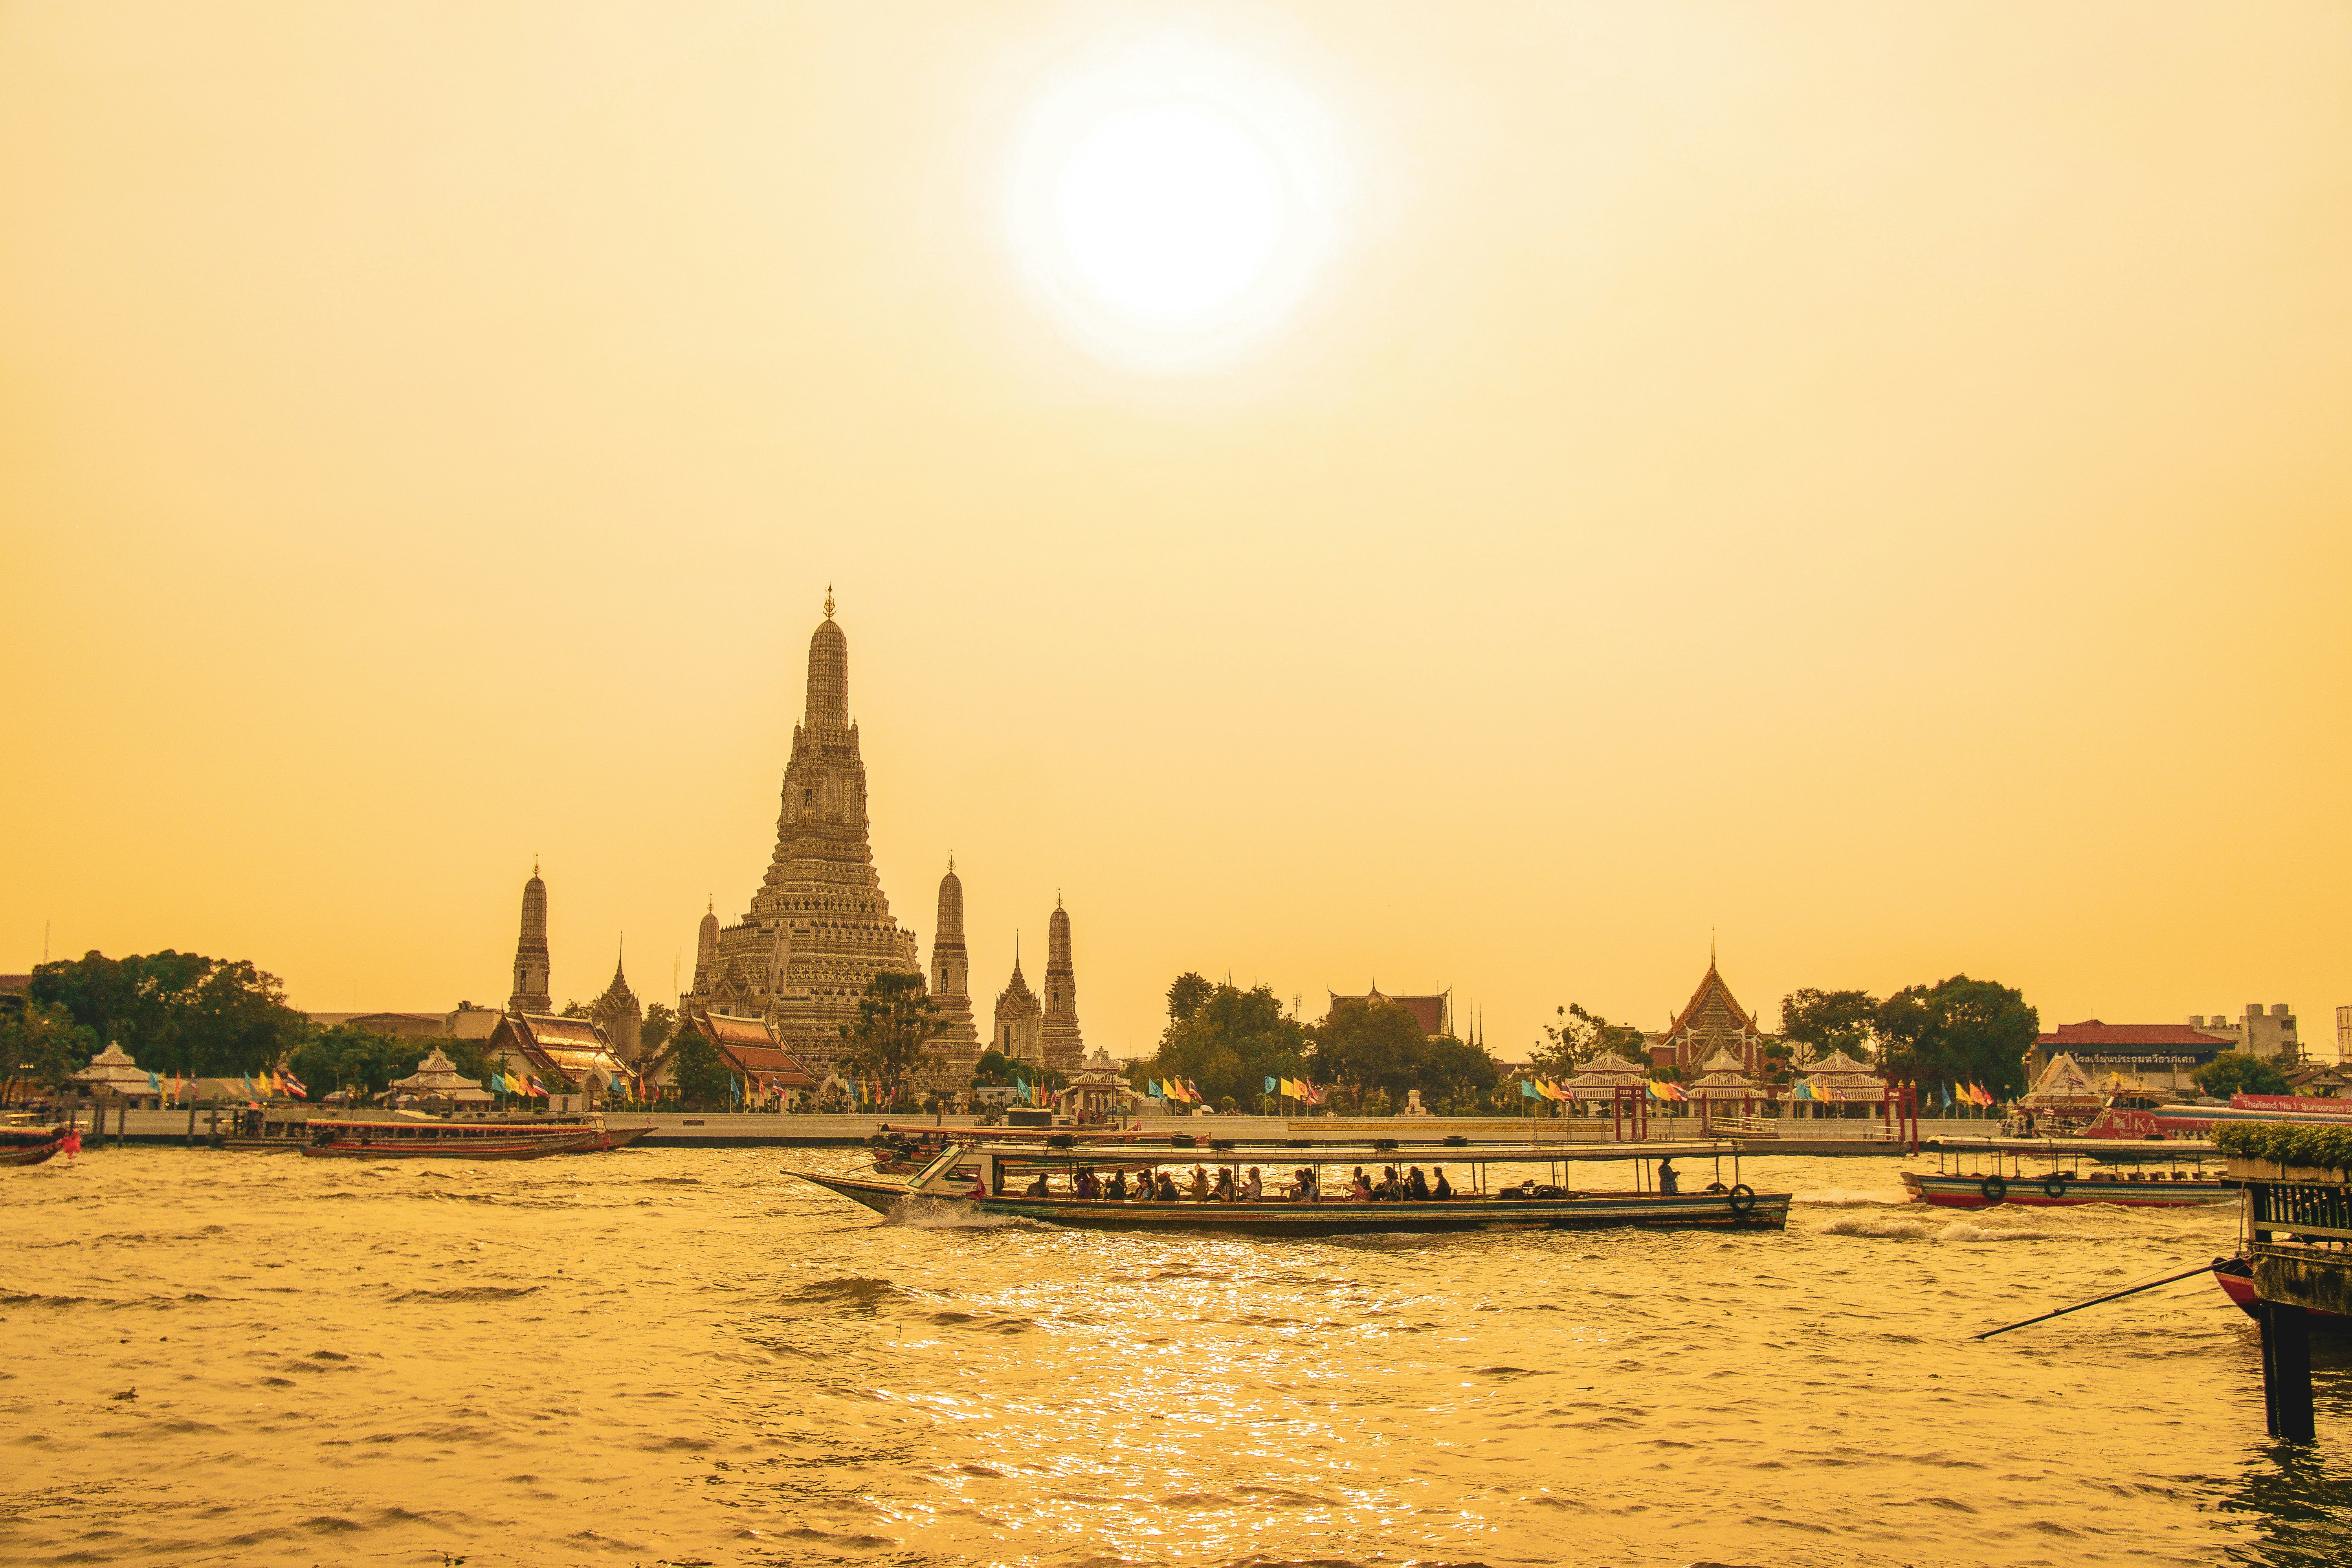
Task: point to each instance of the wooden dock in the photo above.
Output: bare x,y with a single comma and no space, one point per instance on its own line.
2299,1222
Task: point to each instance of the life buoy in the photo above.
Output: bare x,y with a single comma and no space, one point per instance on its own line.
1994,1188
2053,1185
1743,1200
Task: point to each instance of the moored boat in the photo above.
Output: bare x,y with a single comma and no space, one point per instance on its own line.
30,1145
1558,1204
1980,1172
426,1139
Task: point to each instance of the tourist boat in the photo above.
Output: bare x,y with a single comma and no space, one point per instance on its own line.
434,1138
1961,1181
2122,1119
903,1150
29,1145
1526,1206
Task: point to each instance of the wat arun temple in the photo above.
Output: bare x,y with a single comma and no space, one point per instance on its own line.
819,928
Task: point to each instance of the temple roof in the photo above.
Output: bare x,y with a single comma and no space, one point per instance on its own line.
1711,982
1837,1064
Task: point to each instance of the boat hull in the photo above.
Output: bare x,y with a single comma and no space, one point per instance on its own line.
2235,1275
607,1138
1590,1211
450,1149
16,1153
2035,1192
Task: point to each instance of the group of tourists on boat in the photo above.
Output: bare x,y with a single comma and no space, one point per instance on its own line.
1227,1186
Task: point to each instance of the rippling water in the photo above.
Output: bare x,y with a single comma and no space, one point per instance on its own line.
683,1357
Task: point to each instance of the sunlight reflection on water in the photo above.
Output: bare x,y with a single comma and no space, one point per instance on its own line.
666,1355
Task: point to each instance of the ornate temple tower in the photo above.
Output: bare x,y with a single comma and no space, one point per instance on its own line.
706,950
819,928
1066,1051
616,1013
958,1041
531,994
1020,1022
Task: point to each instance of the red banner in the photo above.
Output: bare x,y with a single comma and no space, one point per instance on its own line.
2289,1102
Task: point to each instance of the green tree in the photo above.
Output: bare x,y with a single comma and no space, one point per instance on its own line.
1958,1031
993,1071
1575,1037
1830,1021
699,1073
42,1047
1378,1047
1228,1042
178,1012
891,1040
1186,994
660,1023
366,1063
2238,1072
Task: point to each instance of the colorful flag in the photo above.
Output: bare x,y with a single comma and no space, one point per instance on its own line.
1947,1096
1527,1090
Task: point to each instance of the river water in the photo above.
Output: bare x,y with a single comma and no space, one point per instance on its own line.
686,1357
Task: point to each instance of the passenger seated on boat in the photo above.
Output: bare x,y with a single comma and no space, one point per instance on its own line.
1116,1188
1167,1193
1668,1183
1359,1187
1417,1185
1038,1189
1085,1185
1302,1185
1224,1189
1253,1186
1200,1194
1443,1189
1392,1186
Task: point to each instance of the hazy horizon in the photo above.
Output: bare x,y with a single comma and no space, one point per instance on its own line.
1865,488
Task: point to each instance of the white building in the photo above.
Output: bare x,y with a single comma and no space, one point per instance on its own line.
2269,1035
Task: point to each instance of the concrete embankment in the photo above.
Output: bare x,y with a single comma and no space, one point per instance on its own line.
714,1130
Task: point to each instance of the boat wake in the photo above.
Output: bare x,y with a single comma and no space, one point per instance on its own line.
939,1213
1956,1232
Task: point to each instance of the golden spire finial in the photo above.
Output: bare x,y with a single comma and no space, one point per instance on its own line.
828,600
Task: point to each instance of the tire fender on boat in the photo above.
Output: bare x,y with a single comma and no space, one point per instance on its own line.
2053,1185
1994,1188
1743,1200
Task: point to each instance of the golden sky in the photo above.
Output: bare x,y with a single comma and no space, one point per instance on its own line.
1869,481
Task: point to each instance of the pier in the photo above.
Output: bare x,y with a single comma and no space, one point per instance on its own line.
2298,1223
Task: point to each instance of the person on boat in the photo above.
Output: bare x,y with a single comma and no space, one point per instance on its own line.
1225,1193
1668,1183
1038,1189
1443,1189
1116,1188
1200,1183
1360,1189
1086,1186
1417,1185
1253,1186
1167,1193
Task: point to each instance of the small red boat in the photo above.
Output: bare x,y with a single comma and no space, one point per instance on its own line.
2236,1278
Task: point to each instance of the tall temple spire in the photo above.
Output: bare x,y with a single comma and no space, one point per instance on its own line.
530,962
958,1041
1064,1047
819,928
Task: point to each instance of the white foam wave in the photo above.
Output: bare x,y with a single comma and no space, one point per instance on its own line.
943,1213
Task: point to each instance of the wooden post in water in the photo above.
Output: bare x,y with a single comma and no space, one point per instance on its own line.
192,1123
2286,1371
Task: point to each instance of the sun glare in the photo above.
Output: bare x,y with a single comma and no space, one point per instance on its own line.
1173,207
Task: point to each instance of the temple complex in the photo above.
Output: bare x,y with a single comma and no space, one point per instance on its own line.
1434,1012
617,1013
1064,1051
958,1041
1020,1022
1710,1022
819,929
531,993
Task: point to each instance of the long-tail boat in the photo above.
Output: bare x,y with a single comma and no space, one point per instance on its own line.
903,1150
1528,1204
435,1139
1981,1172
29,1145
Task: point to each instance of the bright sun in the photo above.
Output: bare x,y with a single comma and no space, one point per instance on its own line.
1173,207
